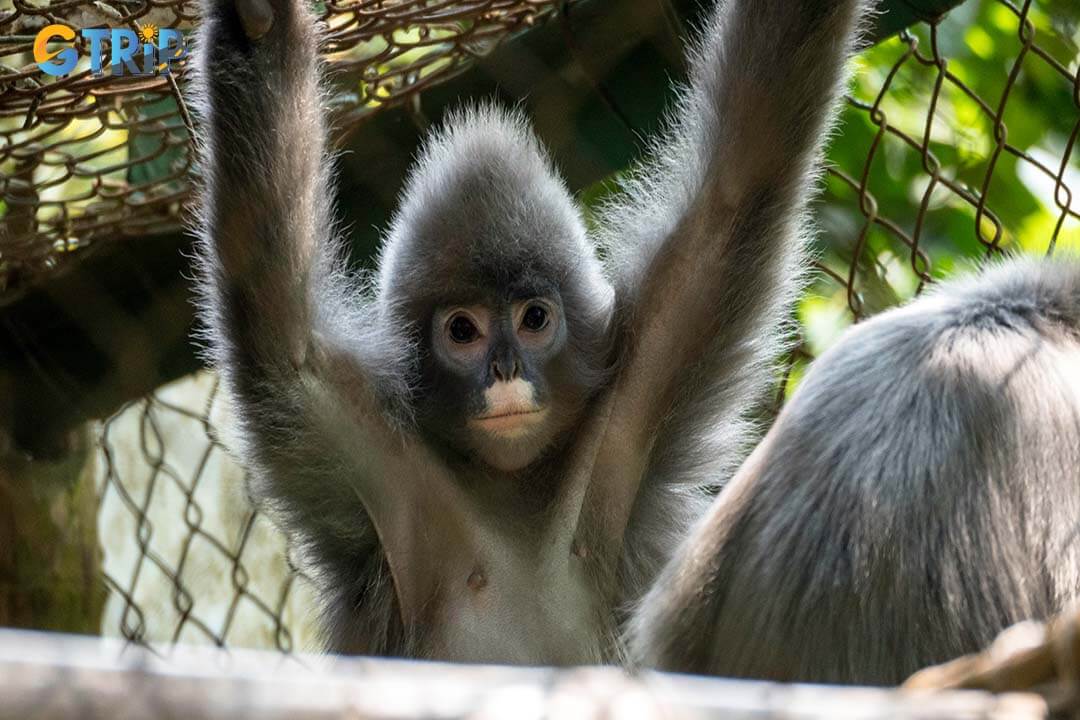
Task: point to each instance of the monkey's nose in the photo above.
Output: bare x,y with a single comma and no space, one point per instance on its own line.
505,369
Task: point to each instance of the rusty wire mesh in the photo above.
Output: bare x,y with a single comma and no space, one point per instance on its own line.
988,229
86,160
184,564
948,154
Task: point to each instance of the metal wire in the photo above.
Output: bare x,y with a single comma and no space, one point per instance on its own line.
976,197
86,160
134,492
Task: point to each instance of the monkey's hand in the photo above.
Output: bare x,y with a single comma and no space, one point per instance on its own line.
257,16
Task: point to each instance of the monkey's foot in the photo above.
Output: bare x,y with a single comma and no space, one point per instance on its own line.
256,16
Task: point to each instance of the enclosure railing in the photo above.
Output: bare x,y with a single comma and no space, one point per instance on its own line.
46,677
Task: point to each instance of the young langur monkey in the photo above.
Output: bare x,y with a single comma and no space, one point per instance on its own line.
489,452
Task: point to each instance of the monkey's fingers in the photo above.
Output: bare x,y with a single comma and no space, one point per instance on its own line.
256,16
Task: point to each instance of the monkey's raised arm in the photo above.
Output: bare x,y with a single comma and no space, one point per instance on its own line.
708,246
308,371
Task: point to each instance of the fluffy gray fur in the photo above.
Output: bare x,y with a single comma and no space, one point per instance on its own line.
754,100
919,493
668,343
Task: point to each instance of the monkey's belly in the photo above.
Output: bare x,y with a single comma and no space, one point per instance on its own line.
510,612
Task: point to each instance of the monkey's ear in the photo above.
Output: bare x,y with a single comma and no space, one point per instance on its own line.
256,16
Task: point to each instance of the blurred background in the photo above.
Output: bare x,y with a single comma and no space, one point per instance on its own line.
121,510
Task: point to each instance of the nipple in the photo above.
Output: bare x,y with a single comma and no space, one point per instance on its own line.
477,580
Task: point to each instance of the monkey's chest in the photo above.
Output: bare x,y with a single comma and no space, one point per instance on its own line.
506,606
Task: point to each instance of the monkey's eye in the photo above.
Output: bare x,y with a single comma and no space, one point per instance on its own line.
462,330
535,318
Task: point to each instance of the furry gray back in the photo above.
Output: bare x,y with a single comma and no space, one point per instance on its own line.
919,493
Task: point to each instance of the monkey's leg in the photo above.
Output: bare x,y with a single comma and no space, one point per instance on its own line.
919,493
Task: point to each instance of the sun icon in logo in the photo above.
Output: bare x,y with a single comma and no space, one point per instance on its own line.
148,33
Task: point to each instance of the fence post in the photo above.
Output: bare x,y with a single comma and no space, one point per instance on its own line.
50,561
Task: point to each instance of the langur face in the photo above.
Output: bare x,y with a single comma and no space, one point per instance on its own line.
495,376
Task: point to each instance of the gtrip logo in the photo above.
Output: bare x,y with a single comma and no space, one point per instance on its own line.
155,47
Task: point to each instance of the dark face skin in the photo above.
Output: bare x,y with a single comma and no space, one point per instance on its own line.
497,379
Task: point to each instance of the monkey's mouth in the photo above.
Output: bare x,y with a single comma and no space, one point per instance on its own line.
510,421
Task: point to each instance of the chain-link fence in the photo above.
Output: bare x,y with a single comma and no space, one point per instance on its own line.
87,159
956,143
186,558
